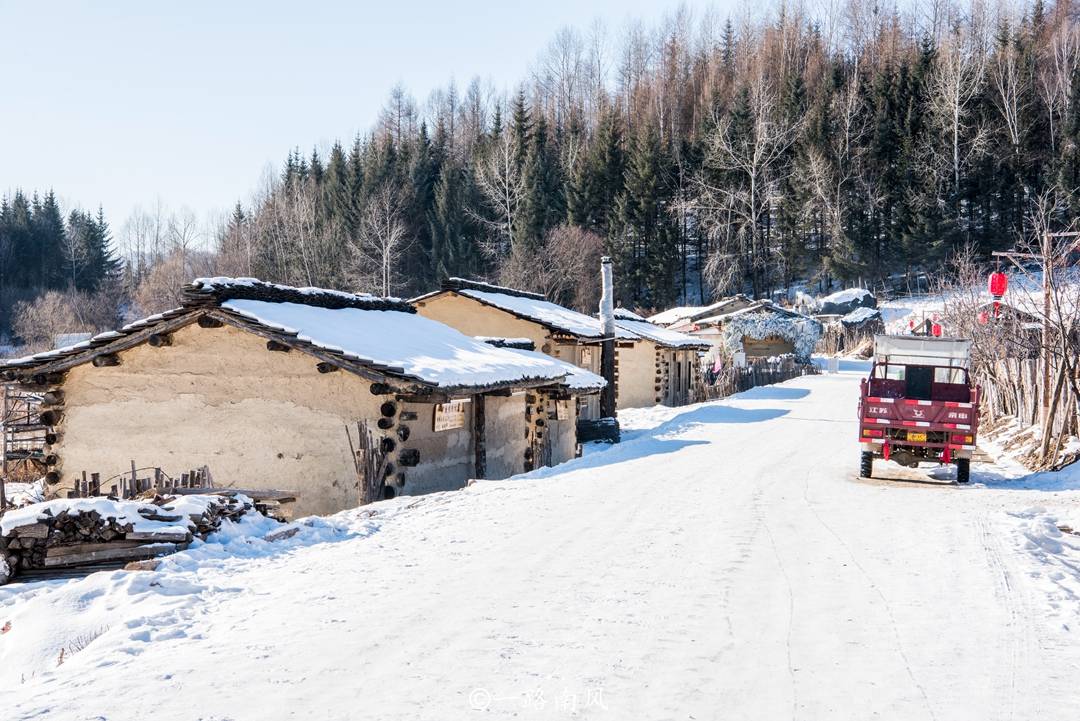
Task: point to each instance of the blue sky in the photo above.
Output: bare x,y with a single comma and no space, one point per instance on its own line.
125,102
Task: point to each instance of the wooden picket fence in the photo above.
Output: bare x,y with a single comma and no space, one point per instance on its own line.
1012,387
757,372
139,480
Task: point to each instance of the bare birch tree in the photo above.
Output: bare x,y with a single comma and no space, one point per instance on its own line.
502,187
381,240
954,86
749,159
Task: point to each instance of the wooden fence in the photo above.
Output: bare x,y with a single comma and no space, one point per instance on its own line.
757,372
1011,387
139,480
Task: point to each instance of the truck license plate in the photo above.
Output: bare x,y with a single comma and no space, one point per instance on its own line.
916,436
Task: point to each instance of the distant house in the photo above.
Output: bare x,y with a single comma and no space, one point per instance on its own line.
482,309
758,328
683,317
262,383
661,368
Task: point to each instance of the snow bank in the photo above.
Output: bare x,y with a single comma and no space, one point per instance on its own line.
50,623
1052,541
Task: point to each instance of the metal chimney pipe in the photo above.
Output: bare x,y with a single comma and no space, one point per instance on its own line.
607,347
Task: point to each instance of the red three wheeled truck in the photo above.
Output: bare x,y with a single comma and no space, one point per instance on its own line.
919,405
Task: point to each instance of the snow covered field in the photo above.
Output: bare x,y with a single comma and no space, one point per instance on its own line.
721,563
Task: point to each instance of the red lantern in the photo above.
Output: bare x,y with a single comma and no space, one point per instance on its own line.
911,324
935,329
997,308
998,284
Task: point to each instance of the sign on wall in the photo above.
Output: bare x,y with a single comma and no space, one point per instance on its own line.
449,416
586,357
562,410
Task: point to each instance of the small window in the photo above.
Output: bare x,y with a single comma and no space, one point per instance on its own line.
891,372
948,375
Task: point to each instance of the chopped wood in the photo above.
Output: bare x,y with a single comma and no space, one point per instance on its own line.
160,536
150,564
79,548
33,530
281,535
148,550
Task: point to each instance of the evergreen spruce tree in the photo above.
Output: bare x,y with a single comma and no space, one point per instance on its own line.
645,240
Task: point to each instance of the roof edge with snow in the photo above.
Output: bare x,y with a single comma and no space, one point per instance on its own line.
465,284
215,291
204,298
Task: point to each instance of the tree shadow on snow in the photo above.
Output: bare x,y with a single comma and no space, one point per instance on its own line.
709,414
656,441
1067,479
774,393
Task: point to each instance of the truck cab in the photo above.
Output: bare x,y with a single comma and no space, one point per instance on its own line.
918,404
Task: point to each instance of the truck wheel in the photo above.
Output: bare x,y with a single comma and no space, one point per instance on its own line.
963,470
866,464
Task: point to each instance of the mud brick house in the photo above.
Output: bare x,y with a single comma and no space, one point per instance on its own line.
663,367
482,309
266,385
651,366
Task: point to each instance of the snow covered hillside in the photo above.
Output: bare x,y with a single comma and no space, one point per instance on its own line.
722,562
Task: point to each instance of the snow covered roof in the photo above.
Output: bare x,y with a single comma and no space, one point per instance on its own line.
685,314
530,306
660,336
356,332
847,295
760,306
577,379
624,314
861,315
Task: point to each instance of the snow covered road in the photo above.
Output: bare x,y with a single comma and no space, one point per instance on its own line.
722,563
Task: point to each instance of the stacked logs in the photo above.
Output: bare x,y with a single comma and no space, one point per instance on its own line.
394,424
73,538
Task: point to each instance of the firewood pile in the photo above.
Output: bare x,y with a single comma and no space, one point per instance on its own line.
64,535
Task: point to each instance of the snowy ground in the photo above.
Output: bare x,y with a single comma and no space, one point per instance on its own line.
724,562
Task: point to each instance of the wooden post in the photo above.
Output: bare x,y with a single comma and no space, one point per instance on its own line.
3,449
479,439
1046,286
134,480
